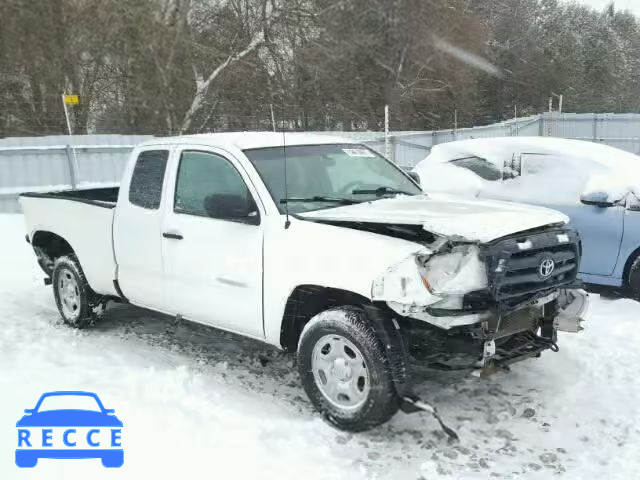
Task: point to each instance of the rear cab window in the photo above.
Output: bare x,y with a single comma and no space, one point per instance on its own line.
145,189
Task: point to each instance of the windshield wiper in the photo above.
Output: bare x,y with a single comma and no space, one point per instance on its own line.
318,198
380,191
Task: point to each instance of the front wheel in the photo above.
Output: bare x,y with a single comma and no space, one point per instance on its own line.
74,297
345,371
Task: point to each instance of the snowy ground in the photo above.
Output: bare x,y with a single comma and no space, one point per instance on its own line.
196,401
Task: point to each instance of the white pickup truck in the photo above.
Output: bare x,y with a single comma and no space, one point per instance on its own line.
346,262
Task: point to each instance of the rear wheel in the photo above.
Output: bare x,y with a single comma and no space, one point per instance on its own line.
633,279
345,371
75,299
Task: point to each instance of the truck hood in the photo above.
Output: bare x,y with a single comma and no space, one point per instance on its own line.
447,215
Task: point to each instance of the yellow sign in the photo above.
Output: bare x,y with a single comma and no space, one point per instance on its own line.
71,99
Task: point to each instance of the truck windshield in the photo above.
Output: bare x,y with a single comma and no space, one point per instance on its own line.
326,176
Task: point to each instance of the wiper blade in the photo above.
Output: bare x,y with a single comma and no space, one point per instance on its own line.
318,198
380,191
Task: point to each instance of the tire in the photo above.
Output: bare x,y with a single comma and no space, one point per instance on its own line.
26,459
345,371
74,298
633,279
113,459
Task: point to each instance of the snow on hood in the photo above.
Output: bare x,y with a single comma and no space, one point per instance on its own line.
448,215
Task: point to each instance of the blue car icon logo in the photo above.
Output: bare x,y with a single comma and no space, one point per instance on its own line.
69,425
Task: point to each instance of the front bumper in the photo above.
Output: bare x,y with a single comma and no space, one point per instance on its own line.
483,339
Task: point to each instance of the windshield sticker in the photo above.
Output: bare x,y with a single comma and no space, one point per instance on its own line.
358,152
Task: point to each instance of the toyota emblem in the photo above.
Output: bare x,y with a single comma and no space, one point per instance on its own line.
546,268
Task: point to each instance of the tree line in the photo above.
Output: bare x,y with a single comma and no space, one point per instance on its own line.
176,66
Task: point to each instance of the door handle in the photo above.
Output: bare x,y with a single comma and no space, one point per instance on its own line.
172,236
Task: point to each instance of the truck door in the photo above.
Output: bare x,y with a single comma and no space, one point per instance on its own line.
212,244
137,230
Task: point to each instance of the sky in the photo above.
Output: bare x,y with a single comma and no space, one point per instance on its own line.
633,5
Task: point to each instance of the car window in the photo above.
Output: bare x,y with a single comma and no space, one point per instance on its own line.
207,180
536,163
145,189
69,402
480,167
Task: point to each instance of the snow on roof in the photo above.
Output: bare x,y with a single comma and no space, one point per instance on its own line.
497,150
249,140
574,168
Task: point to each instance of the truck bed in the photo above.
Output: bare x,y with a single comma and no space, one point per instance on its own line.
84,219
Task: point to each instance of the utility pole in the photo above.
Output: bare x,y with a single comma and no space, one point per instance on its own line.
387,150
455,122
560,104
273,117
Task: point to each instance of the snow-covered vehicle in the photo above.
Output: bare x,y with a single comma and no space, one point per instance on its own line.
346,262
597,186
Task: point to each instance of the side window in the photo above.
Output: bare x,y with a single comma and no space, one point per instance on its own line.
209,185
534,164
145,189
480,167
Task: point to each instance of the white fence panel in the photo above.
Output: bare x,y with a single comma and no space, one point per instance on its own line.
47,163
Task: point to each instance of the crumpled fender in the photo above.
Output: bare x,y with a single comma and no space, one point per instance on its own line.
402,283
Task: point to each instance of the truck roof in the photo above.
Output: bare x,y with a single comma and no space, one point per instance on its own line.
250,140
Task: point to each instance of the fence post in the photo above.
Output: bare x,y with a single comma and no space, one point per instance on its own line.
73,167
392,148
541,125
595,128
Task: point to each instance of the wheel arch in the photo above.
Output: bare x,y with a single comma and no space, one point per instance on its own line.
48,247
306,301
627,266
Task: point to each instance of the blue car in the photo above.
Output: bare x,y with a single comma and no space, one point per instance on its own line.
595,185
57,428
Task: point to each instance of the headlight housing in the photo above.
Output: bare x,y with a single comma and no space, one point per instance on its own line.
426,278
455,272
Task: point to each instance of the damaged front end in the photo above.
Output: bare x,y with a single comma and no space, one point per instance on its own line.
468,305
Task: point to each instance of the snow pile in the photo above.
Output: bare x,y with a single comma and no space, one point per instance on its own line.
497,150
447,178
197,402
571,169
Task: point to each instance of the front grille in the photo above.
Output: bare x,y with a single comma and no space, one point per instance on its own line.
521,266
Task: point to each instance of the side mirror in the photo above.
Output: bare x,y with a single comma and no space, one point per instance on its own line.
414,176
232,207
28,410
109,411
596,199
